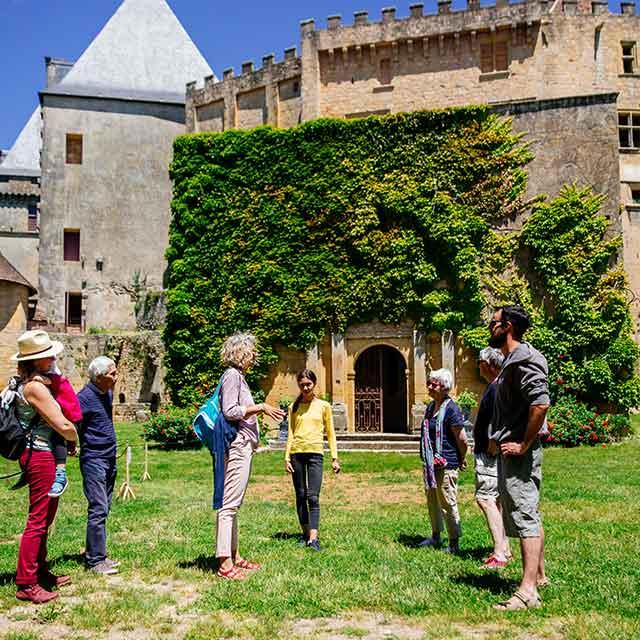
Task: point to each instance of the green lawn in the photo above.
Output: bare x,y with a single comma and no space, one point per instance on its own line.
370,580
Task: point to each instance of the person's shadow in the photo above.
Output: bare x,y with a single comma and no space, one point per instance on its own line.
209,564
411,541
285,535
77,558
488,581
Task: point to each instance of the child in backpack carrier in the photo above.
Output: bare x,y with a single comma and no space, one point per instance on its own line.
66,397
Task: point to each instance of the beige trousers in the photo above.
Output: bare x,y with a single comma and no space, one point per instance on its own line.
236,477
443,503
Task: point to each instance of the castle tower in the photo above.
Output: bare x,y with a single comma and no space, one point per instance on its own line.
109,122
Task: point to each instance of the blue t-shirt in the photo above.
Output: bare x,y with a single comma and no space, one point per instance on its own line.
97,435
452,418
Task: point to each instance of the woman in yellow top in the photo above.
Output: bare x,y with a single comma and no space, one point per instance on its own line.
309,419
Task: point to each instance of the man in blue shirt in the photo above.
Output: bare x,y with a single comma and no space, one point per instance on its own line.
98,460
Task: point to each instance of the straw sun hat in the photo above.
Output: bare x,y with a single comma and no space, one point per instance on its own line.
33,345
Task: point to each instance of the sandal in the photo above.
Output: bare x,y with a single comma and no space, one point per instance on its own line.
231,574
494,563
243,563
519,601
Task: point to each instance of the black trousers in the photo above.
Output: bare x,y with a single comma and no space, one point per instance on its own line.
307,482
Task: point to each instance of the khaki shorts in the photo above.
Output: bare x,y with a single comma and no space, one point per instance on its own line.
486,477
519,481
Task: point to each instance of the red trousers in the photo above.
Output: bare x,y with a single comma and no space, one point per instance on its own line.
32,557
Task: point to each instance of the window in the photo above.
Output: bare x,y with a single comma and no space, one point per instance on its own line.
32,219
74,309
72,245
385,75
74,148
629,129
628,57
635,196
494,56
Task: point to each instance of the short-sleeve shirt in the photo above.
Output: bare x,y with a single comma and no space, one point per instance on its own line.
452,418
97,434
483,419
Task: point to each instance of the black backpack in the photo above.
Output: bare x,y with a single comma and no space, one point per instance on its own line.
14,438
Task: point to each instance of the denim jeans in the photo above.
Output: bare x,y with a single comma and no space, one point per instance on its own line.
98,480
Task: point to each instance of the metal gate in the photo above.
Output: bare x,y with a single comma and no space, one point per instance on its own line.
368,395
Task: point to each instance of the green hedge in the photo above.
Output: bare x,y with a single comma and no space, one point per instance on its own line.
292,233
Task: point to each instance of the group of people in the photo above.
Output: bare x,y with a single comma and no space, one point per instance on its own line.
56,420
507,450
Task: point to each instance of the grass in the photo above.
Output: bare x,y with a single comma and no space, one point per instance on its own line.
370,581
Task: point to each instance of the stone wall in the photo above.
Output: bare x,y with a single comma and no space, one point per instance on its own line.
13,322
138,356
119,198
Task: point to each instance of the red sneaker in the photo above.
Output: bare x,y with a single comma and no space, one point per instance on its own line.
493,563
36,594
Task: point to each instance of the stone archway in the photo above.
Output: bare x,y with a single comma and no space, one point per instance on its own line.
380,391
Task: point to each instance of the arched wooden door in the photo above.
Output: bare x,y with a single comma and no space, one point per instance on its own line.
380,391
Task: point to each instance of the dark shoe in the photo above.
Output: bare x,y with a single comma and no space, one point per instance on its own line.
50,579
36,594
314,544
103,568
453,550
433,543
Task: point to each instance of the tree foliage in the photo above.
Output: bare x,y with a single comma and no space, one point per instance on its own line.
290,233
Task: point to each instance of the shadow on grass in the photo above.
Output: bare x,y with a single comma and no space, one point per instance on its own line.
7,578
78,558
285,535
411,541
489,581
208,564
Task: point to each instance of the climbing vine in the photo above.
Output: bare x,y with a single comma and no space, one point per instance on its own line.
291,233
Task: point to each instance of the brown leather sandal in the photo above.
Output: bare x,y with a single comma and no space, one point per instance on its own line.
519,601
243,563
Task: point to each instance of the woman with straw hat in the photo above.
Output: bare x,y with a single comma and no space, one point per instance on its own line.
36,407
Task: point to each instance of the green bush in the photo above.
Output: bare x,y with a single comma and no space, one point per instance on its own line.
171,427
573,423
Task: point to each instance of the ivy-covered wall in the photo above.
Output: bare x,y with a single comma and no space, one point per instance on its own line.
291,233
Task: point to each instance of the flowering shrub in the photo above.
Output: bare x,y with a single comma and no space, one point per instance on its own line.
171,427
572,423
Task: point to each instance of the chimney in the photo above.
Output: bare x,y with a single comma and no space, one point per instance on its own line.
333,22
628,8
227,74
247,67
388,14
360,17
417,10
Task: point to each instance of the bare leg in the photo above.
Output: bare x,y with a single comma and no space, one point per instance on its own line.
531,550
491,510
313,534
542,576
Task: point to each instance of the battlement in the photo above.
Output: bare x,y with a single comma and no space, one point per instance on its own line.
250,77
446,19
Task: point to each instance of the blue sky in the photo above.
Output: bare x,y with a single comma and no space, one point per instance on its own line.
227,33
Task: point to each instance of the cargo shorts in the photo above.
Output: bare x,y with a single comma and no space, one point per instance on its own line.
486,477
519,482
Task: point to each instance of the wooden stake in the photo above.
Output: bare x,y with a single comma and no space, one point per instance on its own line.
126,491
146,475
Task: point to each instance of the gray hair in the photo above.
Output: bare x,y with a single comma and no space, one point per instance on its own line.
99,367
493,357
443,376
239,350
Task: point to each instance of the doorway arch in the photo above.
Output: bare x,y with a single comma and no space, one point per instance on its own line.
380,391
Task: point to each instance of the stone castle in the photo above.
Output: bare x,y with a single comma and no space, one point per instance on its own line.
566,71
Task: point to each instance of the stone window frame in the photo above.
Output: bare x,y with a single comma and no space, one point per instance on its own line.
32,217
629,58
71,245
494,56
74,144
629,130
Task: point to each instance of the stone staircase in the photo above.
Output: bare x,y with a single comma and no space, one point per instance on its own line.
395,442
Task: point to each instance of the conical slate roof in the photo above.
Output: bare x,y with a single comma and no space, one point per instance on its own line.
9,273
24,156
142,50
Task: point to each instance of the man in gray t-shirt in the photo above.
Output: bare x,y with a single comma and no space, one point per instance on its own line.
522,400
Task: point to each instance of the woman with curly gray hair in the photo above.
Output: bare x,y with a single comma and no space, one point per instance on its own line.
239,353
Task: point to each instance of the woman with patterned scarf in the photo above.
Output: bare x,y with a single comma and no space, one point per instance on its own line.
443,447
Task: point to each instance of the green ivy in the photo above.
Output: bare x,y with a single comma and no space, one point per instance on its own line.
293,233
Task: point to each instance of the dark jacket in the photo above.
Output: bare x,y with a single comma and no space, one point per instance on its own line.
522,383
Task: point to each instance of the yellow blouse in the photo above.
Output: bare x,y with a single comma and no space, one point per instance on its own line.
307,427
